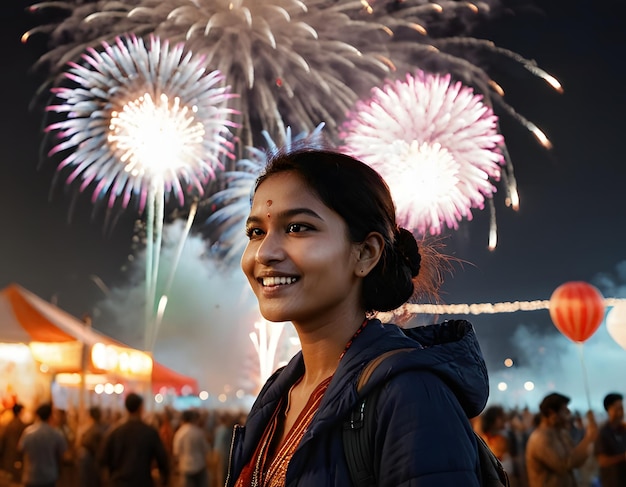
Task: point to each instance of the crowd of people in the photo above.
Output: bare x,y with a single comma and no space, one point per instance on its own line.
131,447
544,448
554,447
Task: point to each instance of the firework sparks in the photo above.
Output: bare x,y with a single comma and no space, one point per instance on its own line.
295,63
228,222
290,57
434,142
137,115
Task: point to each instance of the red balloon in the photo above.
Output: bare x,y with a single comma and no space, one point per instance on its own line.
577,310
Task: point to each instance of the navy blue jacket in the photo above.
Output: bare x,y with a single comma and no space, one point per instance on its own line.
423,436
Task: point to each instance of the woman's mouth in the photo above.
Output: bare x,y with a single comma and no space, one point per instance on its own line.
277,281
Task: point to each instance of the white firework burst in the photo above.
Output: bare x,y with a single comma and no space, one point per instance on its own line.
138,117
286,58
227,223
436,144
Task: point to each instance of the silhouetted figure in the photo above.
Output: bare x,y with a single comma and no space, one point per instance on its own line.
129,450
10,457
610,447
87,454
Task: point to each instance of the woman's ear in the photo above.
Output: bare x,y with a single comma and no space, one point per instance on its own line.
369,253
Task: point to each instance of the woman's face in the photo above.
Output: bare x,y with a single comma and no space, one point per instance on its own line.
299,260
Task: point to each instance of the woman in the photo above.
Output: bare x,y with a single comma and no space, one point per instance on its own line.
325,252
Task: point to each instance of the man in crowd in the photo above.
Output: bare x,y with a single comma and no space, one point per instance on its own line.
610,447
191,450
130,448
551,455
42,446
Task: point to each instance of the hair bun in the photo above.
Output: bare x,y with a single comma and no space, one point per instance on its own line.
409,250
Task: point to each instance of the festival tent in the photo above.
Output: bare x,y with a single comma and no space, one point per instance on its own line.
56,338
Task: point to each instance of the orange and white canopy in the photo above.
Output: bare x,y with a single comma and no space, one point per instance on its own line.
56,338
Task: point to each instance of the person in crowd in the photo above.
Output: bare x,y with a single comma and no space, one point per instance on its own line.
88,446
10,457
226,421
551,454
325,252
518,437
493,423
191,451
166,429
67,473
130,448
43,447
610,446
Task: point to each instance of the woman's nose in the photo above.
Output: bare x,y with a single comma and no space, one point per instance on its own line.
271,248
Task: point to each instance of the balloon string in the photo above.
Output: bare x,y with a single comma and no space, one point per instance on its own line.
585,381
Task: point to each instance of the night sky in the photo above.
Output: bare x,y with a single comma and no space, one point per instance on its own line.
570,225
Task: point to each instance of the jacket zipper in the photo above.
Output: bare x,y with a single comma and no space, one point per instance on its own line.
236,429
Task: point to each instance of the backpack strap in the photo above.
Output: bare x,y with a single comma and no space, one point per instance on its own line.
357,441
357,430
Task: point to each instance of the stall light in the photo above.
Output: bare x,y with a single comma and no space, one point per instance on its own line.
74,379
502,386
204,395
222,397
119,388
109,388
44,368
158,398
68,379
122,360
240,393
15,352
529,385
99,389
60,356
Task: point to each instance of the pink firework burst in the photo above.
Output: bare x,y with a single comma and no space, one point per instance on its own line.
436,144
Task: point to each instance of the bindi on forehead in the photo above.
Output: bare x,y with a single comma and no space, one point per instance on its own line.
268,203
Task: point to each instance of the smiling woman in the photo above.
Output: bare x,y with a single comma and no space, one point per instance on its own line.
325,252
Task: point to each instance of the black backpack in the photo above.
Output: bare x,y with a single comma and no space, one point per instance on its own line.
357,433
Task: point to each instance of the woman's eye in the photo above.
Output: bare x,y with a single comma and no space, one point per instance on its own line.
253,232
296,228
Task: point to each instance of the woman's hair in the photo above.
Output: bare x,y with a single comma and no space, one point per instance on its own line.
361,197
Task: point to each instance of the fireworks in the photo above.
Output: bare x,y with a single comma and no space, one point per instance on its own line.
295,63
285,59
137,117
434,142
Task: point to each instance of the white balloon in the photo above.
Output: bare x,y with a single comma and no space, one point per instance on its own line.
616,324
